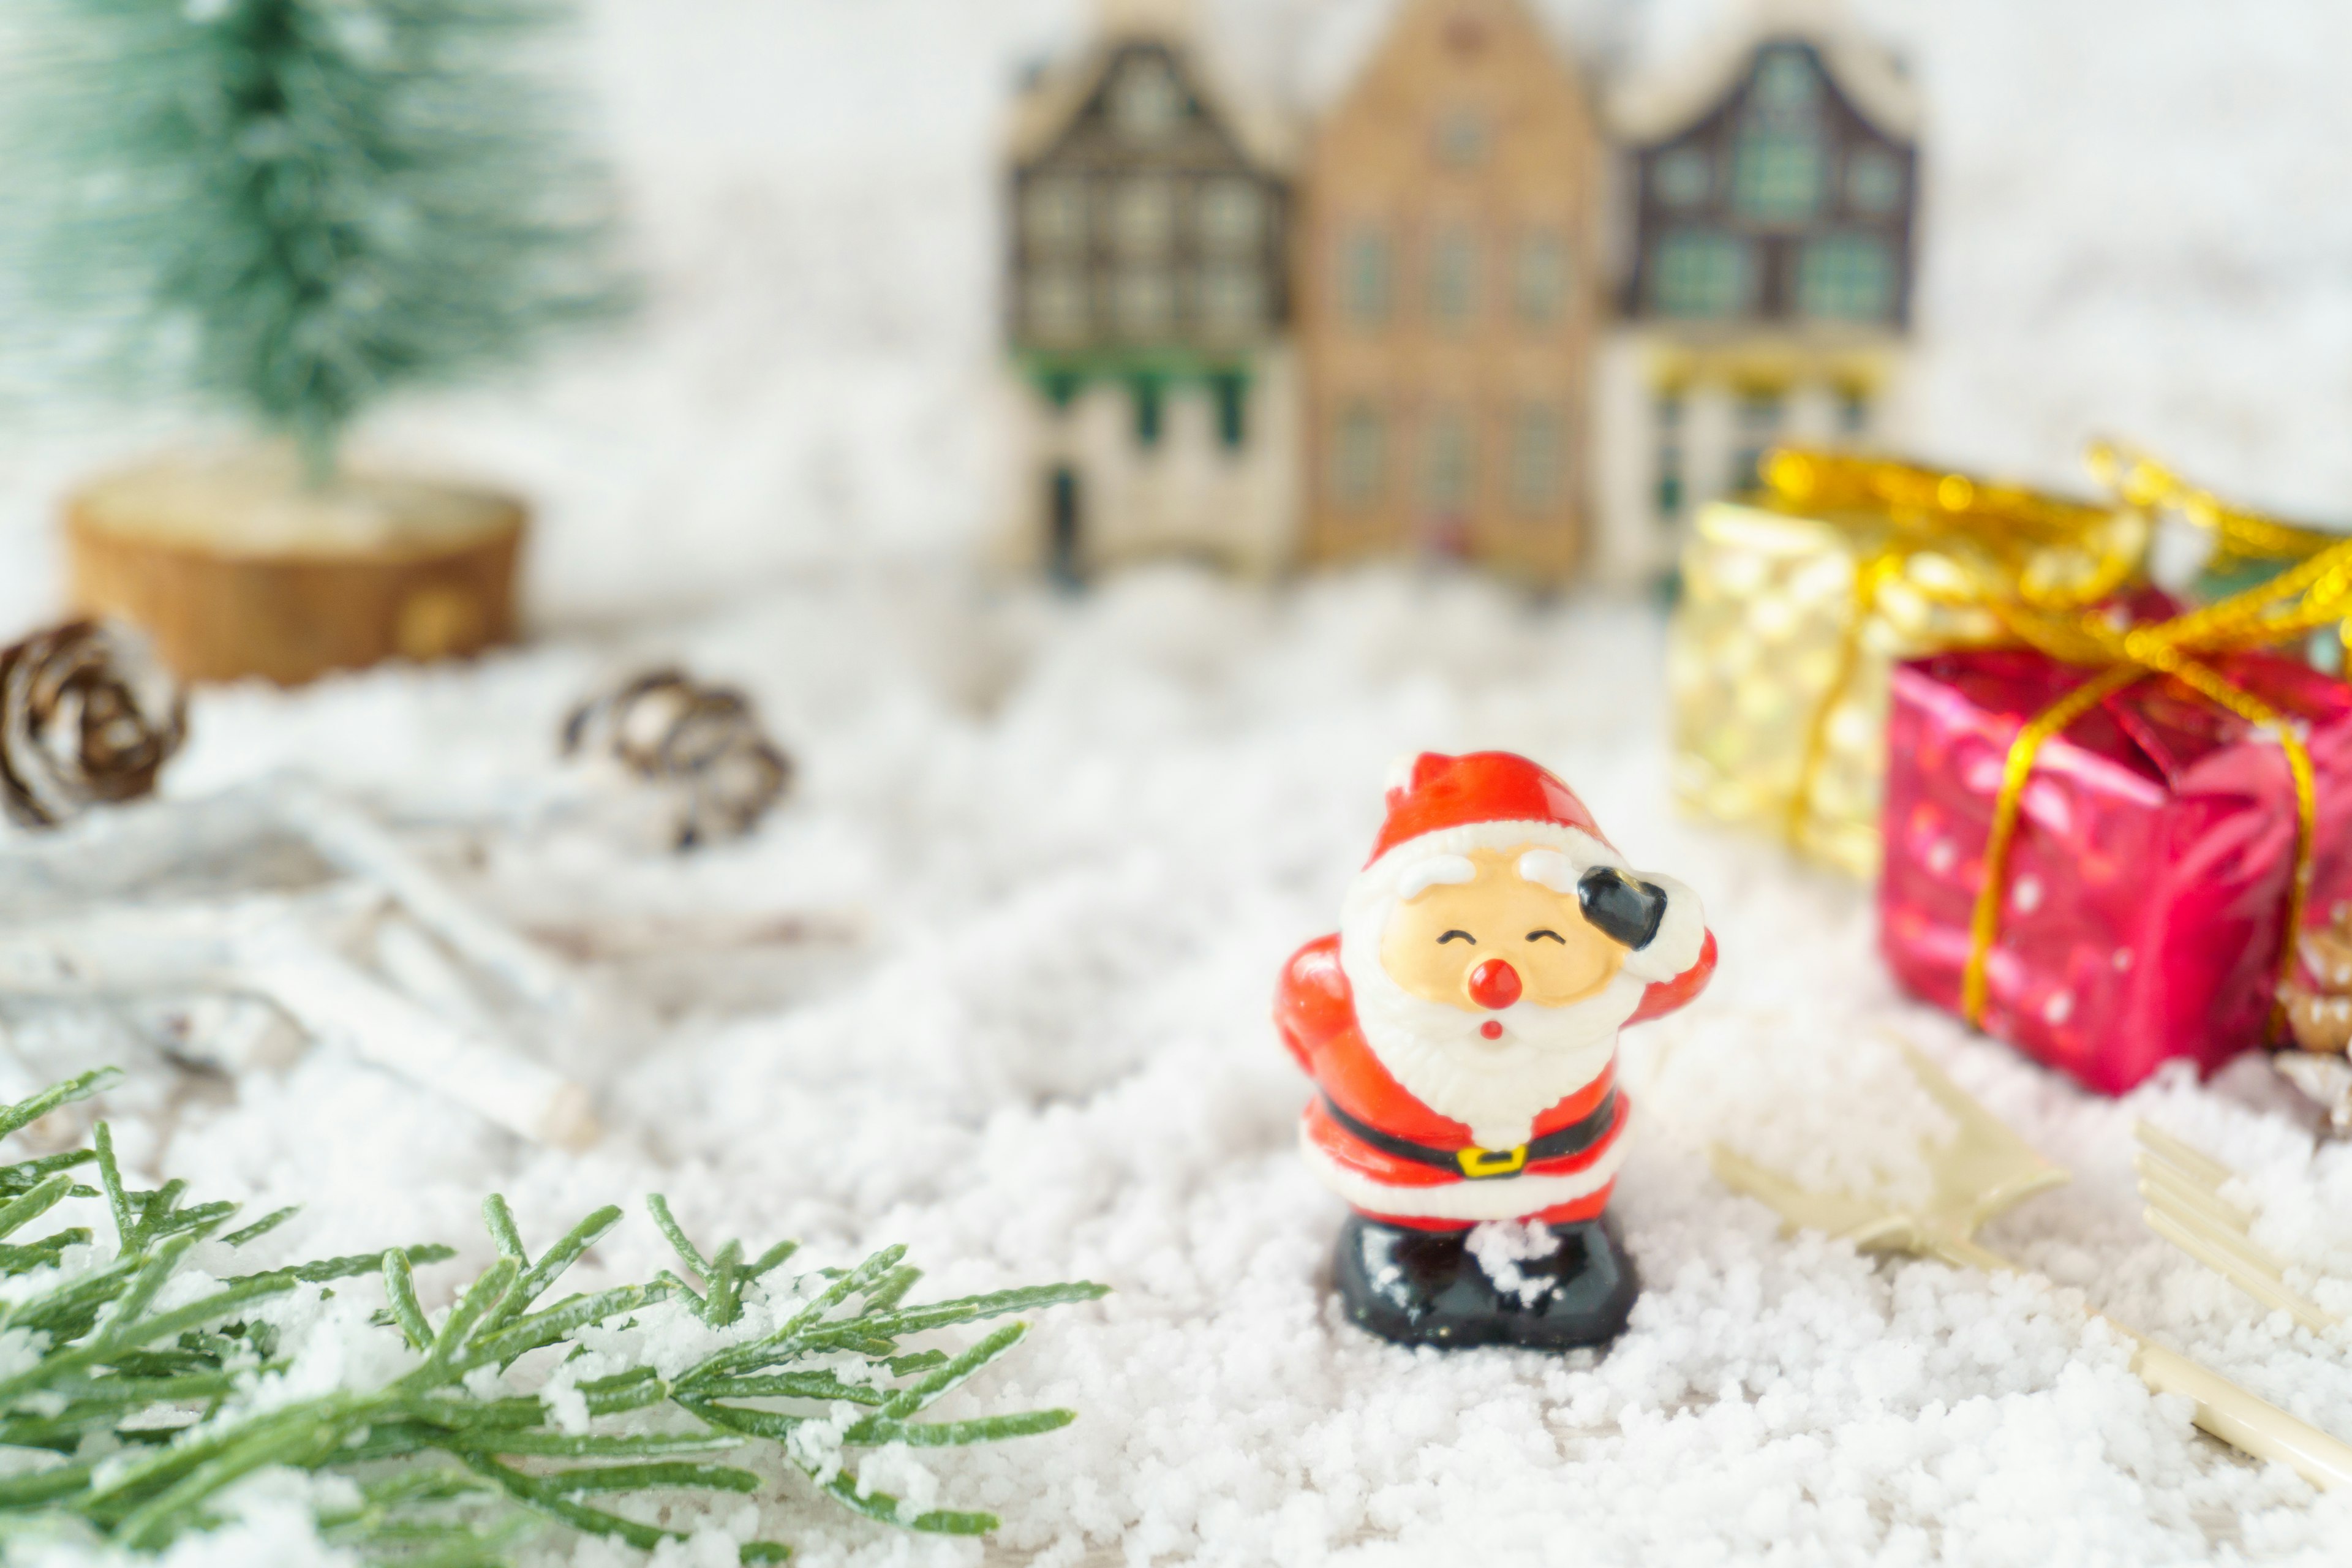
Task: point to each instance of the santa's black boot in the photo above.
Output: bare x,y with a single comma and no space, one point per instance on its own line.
1587,1286
1417,1287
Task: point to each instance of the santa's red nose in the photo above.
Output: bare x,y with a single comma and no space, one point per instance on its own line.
1494,984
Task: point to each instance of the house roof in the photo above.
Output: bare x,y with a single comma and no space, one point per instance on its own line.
1657,105
1044,109
1403,23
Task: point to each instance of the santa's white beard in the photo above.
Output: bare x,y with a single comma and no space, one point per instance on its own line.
1499,1087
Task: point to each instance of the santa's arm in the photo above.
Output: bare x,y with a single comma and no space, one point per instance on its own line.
1313,1001
1665,996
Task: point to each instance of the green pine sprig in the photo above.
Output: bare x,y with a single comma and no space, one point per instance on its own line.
137,1418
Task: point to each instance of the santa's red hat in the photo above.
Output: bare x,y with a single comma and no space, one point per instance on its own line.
1437,793
1441,807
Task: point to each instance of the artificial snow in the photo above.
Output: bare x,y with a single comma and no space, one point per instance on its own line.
1501,1245
1046,1055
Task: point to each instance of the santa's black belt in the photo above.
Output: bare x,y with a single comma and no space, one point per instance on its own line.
1480,1164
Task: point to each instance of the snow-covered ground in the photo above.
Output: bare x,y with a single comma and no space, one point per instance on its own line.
1076,839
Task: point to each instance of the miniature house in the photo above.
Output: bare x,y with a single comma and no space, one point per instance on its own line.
1771,194
1154,391
1448,293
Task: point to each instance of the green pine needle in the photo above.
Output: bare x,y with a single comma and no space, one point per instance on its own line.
451,1474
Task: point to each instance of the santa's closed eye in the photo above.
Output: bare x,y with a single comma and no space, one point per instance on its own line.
1549,933
1465,935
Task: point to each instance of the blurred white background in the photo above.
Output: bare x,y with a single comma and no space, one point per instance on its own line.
2135,224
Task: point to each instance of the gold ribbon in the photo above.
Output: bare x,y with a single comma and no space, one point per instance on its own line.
2008,545
2315,594
2240,536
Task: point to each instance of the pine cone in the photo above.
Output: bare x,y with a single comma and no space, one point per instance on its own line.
88,716
2318,997
669,729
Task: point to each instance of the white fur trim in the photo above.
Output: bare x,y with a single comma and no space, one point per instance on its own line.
1584,850
1500,1197
1422,875
1681,936
1548,869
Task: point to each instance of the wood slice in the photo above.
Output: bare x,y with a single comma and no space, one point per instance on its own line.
237,568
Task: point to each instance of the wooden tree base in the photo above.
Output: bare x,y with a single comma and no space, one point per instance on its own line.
236,568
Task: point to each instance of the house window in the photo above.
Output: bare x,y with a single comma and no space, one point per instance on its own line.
1540,277
1146,102
1776,174
1853,410
1760,410
1696,275
1233,303
1447,479
1144,301
1054,216
1151,410
1683,177
1537,457
1786,84
1232,216
1670,454
1056,304
1454,277
1846,278
1230,391
1874,181
1360,455
1776,162
1462,139
1367,276
1143,216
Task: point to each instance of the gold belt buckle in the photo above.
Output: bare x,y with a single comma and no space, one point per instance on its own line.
1479,1164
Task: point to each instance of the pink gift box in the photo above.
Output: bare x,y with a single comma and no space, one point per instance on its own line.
2147,884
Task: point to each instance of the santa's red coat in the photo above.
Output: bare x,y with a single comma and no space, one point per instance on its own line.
1315,1009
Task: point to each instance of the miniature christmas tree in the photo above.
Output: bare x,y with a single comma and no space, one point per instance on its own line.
290,210
297,208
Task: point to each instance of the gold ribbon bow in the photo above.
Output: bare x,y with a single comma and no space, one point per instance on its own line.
2316,593
1991,545
2240,537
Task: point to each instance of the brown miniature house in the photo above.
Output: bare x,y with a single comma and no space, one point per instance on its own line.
1153,389
1771,191
1449,292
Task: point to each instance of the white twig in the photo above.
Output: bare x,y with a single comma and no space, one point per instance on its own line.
412,961
363,849
336,1001
234,1031
148,948
279,948
622,939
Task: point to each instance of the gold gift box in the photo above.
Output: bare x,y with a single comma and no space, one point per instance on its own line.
1795,603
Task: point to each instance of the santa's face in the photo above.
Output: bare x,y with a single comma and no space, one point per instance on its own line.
1481,985
1496,939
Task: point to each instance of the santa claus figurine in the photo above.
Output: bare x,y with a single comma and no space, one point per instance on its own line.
1462,1029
